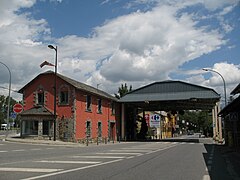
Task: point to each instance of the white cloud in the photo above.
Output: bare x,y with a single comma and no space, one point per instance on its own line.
137,48
230,72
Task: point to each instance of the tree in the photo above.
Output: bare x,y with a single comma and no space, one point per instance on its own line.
123,90
4,107
198,121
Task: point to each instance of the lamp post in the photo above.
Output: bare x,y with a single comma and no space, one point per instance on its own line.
9,92
224,84
55,91
218,128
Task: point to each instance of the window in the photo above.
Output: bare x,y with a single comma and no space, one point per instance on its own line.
40,97
88,129
64,97
99,105
99,129
89,103
113,108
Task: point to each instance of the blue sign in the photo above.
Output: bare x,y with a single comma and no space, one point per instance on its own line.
13,115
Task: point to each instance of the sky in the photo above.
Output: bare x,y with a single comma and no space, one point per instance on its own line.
106,43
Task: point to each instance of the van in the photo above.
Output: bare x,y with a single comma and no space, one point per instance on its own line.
3,126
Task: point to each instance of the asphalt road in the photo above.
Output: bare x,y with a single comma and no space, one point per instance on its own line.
119,161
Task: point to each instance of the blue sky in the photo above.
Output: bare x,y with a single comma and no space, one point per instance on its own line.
110,42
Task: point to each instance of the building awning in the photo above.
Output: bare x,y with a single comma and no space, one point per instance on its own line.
172,95
37,111
231,107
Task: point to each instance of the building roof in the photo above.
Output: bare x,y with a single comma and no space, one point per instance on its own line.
186,95
37,110
78,85
236,90
231,107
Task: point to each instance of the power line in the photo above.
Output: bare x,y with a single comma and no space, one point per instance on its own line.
8,89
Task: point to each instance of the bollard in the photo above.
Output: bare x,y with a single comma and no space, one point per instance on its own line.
105,140
97,140
87,140
119,139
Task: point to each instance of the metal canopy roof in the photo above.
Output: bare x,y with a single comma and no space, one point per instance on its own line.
172,95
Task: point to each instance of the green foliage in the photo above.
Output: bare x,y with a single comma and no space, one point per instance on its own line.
123,90
198,121
4,107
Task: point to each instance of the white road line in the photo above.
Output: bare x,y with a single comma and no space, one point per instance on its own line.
70,162
19,150
90,166
99,157
206,177
141,148
35,149
1,144
130,150
72,170
30,170
3,151
49,148
121,153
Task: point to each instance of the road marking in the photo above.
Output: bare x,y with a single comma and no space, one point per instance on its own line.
35,149
19,150
206,177
123,153
70,162
72,170
130,150
140,148
90,166
30,170
49,148
100,157
3,151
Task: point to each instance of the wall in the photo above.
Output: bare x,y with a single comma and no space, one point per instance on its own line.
82,116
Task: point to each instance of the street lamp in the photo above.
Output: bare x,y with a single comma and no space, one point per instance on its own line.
9,91
224,84
55,91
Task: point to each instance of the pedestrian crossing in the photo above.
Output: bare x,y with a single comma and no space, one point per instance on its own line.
86,160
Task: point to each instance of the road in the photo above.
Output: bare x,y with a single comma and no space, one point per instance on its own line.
119,161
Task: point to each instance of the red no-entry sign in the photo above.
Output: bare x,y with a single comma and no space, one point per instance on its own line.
17,108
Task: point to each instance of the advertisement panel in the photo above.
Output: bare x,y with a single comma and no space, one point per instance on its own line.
155,120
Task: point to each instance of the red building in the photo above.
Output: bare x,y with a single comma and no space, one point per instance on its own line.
82,111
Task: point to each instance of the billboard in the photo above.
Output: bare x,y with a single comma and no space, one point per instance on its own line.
155,120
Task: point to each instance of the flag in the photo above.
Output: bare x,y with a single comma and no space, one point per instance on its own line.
46,63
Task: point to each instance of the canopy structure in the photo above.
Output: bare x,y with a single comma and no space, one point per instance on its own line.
172,95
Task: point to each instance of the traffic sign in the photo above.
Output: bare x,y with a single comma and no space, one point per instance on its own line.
13,115
17,108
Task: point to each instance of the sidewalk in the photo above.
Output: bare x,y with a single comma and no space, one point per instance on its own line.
16,138
232,159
